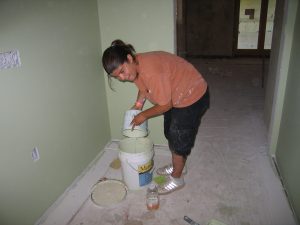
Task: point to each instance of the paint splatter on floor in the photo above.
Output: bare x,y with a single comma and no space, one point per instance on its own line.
116,164
133,222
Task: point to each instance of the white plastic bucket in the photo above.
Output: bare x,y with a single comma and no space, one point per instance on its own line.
138,131
136,156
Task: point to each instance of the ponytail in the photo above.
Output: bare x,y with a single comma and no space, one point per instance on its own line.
119,42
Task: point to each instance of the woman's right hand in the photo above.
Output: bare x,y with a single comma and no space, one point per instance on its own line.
136,107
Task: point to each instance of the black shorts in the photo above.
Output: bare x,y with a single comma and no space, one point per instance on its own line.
181,125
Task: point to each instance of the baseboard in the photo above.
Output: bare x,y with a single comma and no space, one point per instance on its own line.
284,187
68,204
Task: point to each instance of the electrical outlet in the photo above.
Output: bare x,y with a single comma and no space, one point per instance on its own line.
35,155
10,59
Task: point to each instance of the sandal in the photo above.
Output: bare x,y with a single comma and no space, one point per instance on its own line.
171,184
168,169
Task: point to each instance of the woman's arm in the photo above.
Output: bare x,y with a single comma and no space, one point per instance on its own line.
140,100
149,113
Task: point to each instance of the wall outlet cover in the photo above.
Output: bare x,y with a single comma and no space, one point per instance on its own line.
35,155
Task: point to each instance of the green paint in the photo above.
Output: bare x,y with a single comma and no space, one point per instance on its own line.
288,153
136,145
55,101
215,222
227,210
130,21
159,179
278,71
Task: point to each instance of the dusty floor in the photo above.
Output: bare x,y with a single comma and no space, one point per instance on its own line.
230,175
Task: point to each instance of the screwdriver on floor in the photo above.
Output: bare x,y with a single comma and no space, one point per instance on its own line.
211,222
190,221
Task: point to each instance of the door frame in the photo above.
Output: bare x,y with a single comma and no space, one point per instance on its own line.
260,51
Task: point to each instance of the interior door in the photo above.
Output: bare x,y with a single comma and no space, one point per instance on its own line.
209,27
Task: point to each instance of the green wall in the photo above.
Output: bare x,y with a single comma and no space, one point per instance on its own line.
55,101
288,154
278,67
147,25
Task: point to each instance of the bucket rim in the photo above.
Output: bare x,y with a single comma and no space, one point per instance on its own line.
143,132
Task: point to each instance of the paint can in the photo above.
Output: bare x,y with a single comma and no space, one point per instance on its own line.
136,156
108,192
138,131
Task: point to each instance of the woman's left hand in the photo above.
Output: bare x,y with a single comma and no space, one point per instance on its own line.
138,120
149,113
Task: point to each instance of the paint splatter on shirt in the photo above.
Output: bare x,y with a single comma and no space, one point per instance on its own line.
165,77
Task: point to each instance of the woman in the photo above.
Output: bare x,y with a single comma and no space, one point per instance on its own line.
175,88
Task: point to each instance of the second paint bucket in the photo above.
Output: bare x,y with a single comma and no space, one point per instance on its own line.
136,156
138,131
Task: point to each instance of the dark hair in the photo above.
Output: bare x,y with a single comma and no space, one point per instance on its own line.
116,55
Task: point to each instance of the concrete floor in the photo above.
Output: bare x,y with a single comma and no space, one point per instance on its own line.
230,177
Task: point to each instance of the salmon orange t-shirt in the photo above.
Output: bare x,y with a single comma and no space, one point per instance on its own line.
164,77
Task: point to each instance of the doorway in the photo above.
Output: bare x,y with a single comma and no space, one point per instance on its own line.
254,27
224,28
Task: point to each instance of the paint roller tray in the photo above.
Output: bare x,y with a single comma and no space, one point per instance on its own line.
108,192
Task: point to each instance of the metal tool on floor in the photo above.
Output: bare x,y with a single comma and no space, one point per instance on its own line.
211,222
190,221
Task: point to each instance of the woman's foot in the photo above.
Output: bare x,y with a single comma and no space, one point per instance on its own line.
172,184
167,170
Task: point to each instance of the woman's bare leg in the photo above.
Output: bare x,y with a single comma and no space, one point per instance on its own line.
178,165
